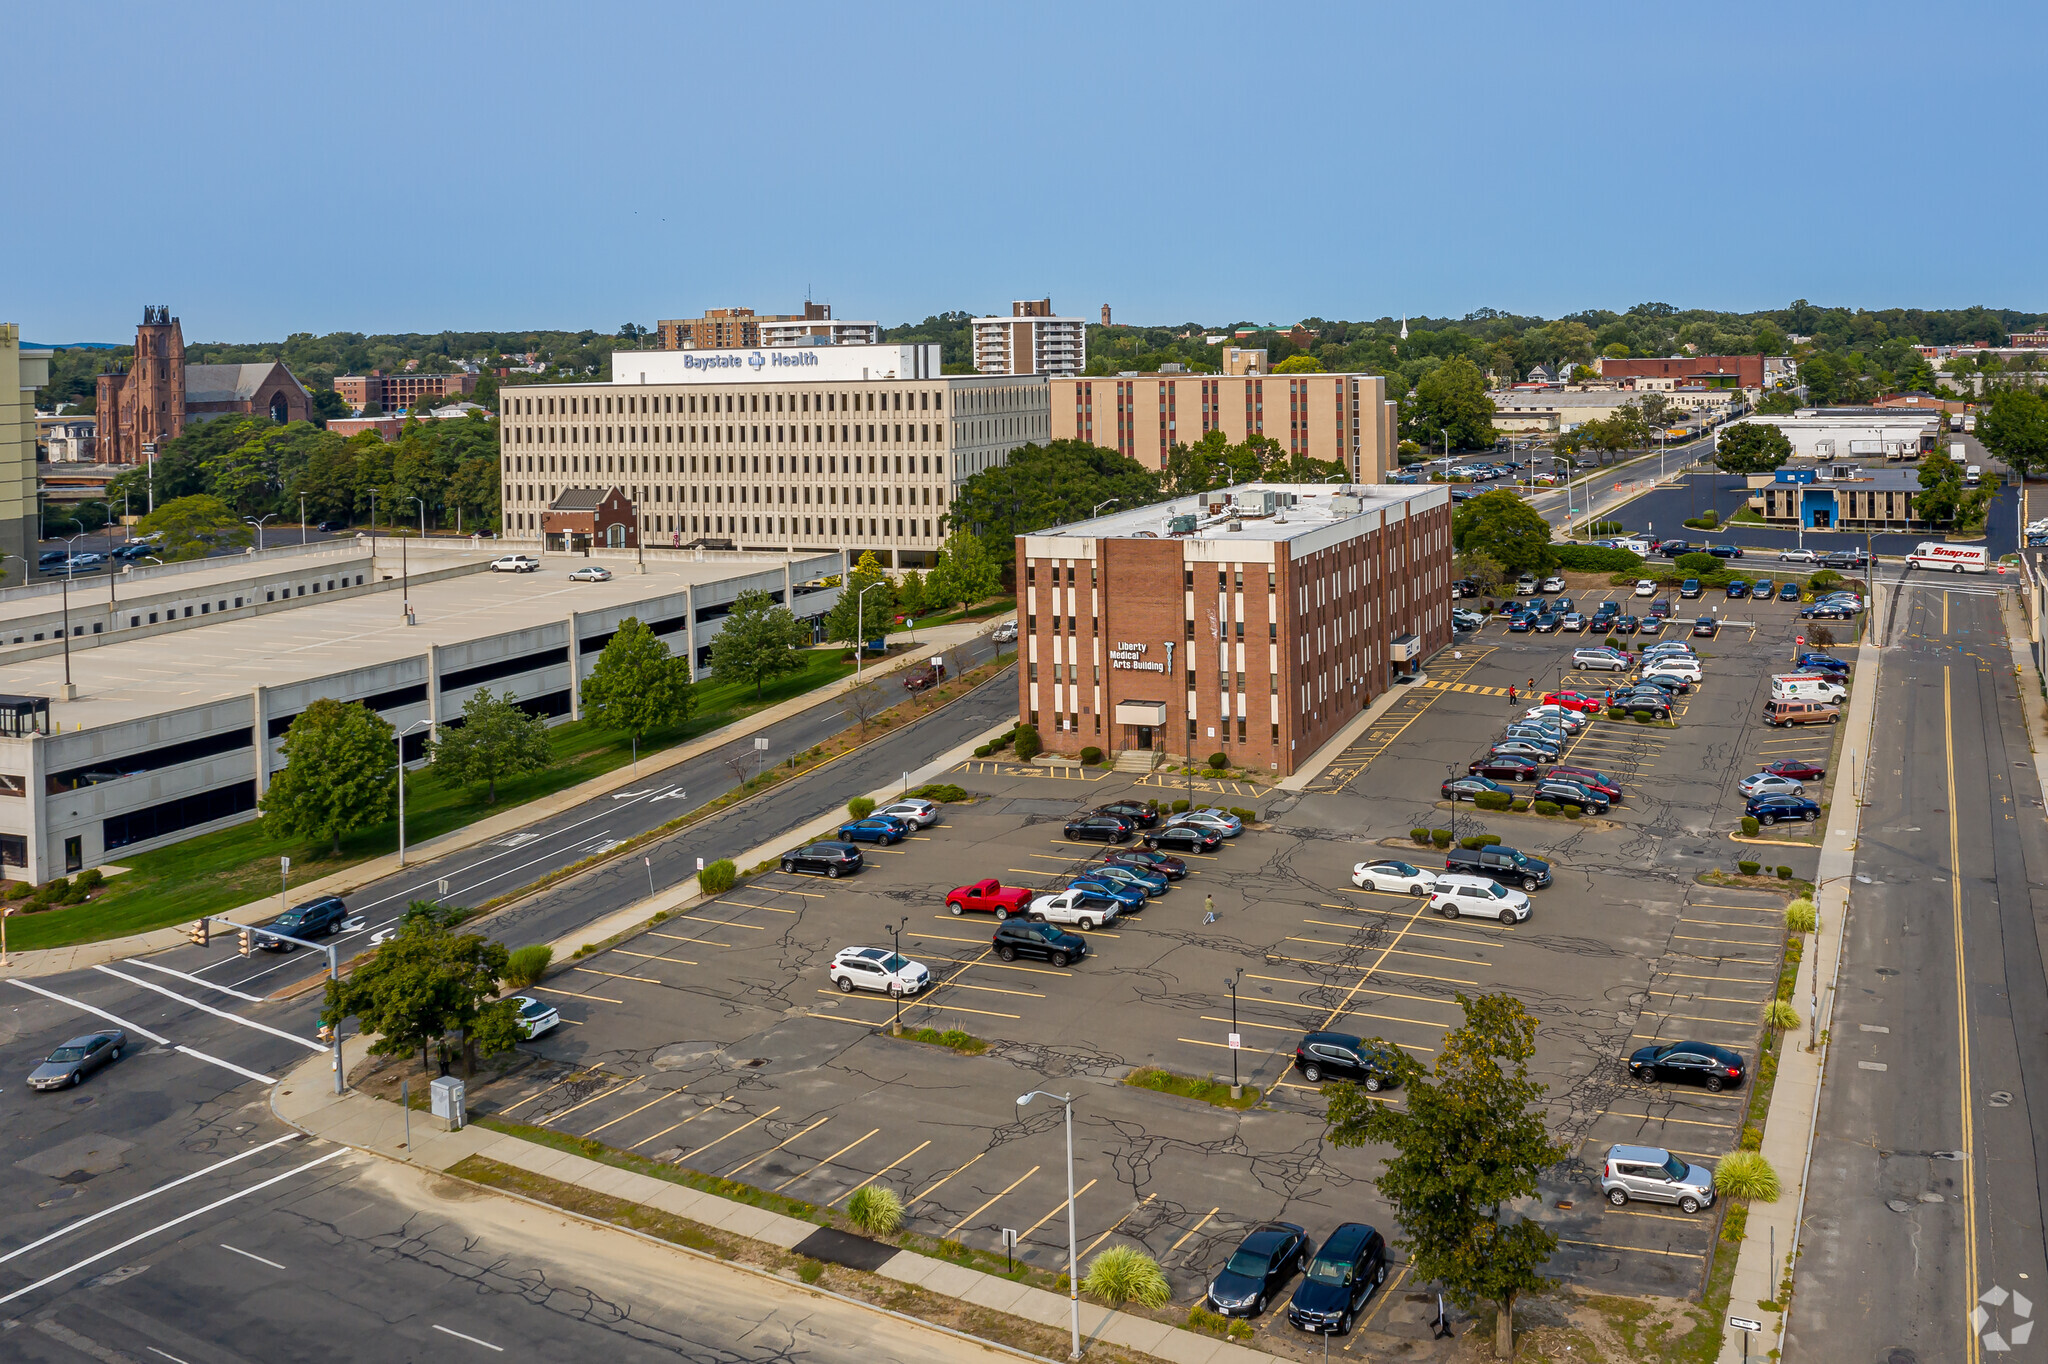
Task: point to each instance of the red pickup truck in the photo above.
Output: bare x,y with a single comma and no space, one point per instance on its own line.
990,897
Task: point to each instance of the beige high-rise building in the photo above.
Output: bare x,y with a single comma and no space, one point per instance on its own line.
1338,418
22,372
1030,341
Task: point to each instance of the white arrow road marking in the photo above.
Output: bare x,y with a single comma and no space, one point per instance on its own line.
49,1279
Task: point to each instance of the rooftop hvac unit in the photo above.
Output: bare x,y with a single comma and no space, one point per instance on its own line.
1345,505
1236,524
1181,525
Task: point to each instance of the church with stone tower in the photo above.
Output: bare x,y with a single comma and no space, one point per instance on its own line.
159,395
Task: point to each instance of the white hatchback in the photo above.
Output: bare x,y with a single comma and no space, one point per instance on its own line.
1645,588
1457,895
914,811
535,1017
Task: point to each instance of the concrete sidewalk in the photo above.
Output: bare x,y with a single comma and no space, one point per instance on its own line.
1795,1099
304,1099
56,960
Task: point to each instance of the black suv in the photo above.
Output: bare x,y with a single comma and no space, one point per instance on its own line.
827,858
1504,865
313,919
1340,1056
1016,938
1101,828
1351,1265
1144,816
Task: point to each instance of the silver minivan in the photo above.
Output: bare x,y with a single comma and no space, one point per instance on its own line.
1654,1175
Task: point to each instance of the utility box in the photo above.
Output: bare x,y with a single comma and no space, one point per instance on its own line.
449,1102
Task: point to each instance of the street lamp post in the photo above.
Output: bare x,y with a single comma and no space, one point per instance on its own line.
1187,714
1236,1085
400,737
302,518
895,932
1073,1265
1100,505
258,521
70,556
860,644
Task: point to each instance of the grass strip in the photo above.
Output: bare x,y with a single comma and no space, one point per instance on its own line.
1190,1087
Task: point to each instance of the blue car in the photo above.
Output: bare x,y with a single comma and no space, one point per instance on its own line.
883,829
1770,810
1822,663
1738,588
1107,893
1519,624
1789,592
1763,589
1151,882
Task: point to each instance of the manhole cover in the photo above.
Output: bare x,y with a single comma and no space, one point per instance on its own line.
82,1100
1901,1356
2001,1098
1898,1205
203,1145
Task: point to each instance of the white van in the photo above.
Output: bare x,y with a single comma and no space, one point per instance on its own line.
1954,558
1807,687
1973,475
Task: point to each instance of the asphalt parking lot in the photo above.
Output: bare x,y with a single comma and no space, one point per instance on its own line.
716,1040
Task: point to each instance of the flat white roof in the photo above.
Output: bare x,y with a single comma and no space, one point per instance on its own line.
1317,507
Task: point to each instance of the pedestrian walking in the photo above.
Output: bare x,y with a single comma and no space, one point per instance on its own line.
1511,695
1208,908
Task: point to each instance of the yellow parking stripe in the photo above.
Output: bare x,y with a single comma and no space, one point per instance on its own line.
685,1122
615,975
879,1173
1346,966
665,1094
1090,1247
1057,1209
742,904
1429,956
736,1131
1192,1230
955,1229
1348,1013
1325,985
550,990
752,1161
602,1094
826,1161
1639,1250
914,1198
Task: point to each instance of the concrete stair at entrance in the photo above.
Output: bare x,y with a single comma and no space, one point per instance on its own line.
1137,760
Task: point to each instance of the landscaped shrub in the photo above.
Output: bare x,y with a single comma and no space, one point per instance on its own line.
1520,802
1643,717
810,1271
1823,580
1547,807
1219,761
1028,745
1179,806
1487,840
1784,873
19,890
1600,528
1697,565
1746,1175
717,877
941,791
1615,713
1593,559
1470,841
1419,835
1248,816
90,879
875,1210
1493,800
1124,1274
983,751
1091,755
1750,829
860,807
1440,837
1611,642
1574,812
1748,868
527,965
1801,916
1781,1016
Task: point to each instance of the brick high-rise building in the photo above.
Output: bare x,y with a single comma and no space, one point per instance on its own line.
1255,621
1030,341
744,329
399,392
159,394
1338,418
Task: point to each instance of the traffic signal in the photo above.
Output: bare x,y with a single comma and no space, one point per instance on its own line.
246,943
200,932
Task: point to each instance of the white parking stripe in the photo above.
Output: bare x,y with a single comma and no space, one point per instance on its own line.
98,1013
305,1042
49,1279
72,1226
185,975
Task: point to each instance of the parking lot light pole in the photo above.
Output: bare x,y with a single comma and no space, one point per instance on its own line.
1073,1259
257,521
1236,1085
860,645
895,932
400,737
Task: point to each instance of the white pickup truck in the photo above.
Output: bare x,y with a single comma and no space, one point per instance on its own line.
1073,907
516,563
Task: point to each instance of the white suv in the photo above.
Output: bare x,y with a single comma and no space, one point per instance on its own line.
1458,894
1674,665
878,968
915,811
516,563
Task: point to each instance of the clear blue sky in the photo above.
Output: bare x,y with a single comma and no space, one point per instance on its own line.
266,169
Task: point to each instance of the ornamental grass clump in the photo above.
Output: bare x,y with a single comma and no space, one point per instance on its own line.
1746,1175
1124,1274
875,1210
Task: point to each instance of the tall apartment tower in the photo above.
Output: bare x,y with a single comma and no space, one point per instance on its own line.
1030,341
22,372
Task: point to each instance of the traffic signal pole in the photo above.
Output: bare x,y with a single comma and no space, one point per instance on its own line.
201,934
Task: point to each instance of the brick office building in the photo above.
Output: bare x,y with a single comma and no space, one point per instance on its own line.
1340,418
399,392
1255,621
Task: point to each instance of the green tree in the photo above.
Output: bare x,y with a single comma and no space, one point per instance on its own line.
194,526
965,573
495,739
2015,428
1469,1142
1777,403
1299,364
1506,529
1751,448
424,982
910,594
1944,497
1047,485
637,685
853,619
1483,569
757,641
339,774
1453,397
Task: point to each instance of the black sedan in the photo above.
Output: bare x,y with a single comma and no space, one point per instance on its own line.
1690,1063
1504,767
1465,788
827,857
1187,838
1826,611
1770,810
1100,828
78,1058
1725,551
313,919
1624,625
1258,1269
1565,792
1142,815
1172,868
